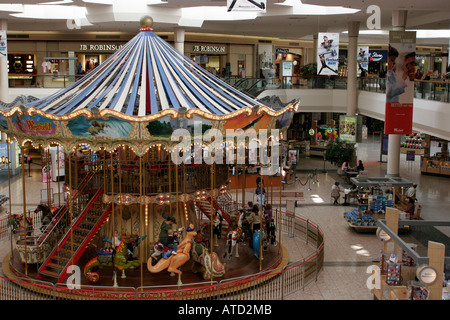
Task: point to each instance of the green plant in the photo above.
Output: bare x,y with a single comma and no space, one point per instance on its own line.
337,152
309,70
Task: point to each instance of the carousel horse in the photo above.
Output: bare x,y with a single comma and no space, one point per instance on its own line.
174,262
242,227
232,239
256,242
200,255
119,258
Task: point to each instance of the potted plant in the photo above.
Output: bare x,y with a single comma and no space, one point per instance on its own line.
338,151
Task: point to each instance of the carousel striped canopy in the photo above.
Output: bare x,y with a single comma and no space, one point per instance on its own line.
145,76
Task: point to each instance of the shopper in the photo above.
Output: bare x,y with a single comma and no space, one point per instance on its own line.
255,220
261,194
345,166
411,192
411,207
335,192
360,166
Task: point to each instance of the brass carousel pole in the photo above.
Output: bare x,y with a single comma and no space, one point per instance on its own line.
9,188
112,198
71,202
281,184
170,184
211,244
141,254
176,194
236,184
48,165
58,164
24,210
260,217
119,169
243,182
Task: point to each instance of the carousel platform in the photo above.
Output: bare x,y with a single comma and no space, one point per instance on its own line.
246,265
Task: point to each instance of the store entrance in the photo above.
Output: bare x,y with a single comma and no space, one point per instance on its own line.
213,65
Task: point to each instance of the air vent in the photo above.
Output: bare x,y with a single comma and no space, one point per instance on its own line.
109,37
18,36
265,41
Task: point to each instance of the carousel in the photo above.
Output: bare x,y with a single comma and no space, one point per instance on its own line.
153,193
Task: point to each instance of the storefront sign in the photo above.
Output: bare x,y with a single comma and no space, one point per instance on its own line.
282,50
100,47
378,55
400,82
328,54
208,49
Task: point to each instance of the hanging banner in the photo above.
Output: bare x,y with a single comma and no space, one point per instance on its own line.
328,54
400,82
347,128
3,44
362,59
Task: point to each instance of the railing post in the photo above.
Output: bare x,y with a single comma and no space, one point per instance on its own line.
307,229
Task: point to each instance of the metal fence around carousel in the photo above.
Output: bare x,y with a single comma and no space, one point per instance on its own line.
272,284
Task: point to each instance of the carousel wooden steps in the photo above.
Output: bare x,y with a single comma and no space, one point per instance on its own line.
74,243
204,206
50,274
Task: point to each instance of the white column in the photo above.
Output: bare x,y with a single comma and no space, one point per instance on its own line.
4,87
352,52
314,49
179,39
393,162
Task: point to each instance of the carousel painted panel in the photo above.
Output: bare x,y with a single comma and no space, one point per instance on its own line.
101,129
34,125
170,131
3,123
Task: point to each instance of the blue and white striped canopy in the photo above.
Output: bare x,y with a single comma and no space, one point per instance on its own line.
145,76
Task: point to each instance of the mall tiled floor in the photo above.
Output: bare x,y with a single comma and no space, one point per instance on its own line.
347,253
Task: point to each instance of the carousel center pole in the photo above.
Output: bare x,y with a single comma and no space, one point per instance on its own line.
141,253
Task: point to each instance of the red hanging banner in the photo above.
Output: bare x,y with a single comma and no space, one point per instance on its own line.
401,72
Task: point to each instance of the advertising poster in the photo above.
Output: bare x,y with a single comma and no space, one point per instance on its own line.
3,44
400,82
328,54
347,129
362,59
